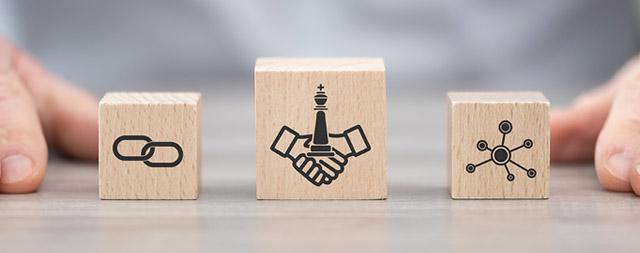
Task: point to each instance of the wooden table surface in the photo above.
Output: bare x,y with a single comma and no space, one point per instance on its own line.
67,216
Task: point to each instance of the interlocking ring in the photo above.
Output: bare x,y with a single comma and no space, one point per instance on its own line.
147,151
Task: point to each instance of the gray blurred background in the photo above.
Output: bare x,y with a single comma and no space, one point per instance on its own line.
436,45
561,47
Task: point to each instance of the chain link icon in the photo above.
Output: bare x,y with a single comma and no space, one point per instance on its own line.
147,151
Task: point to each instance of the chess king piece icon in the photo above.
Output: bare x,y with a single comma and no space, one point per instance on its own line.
312,155
320,145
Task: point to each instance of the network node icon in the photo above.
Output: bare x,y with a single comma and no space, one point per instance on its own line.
501,154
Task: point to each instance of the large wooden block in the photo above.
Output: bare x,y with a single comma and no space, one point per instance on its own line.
320,129
149,146
498,145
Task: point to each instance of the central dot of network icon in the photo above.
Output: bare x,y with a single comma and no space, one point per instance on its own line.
501,154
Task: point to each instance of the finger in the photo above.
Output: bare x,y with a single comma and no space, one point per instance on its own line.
68,114
575,129
302,163
316,174
312,171
339,158
634,179
331,170
23,150
309,169
566,144
618,146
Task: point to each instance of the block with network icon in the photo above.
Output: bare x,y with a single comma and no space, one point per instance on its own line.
498,145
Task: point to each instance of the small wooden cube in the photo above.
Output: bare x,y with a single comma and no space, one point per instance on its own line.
149,145
498,145
320,129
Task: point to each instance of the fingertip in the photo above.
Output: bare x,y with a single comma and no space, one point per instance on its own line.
618,146
634,179
611,178
20,173
23,149
613,163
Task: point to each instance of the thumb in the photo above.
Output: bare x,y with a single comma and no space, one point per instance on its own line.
618,146
23,150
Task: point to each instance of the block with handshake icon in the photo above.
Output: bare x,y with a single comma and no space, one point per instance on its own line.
320,129
324,166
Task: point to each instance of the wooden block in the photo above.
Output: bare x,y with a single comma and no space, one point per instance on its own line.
149,146
320,129
498,145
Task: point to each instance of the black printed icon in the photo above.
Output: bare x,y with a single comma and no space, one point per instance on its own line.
320,145
501,155
323,162
147,151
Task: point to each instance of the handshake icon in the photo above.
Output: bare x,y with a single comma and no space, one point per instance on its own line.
320,157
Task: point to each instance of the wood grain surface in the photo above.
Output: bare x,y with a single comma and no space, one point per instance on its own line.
162,117
66,214
356,98
487,162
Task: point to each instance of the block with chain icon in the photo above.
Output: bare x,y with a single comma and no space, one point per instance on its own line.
498,145
149,145
320,128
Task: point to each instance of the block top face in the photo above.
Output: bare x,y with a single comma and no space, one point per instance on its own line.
319,64
145,98
497,97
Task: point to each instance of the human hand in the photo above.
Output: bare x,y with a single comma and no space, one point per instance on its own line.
320,169
353,141
323,170
604,124
39,110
